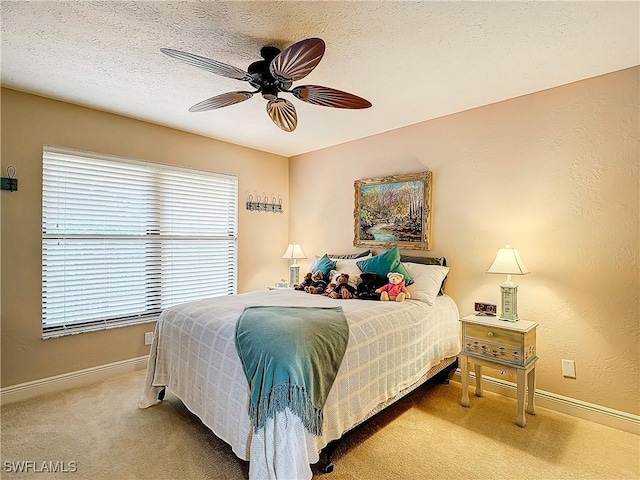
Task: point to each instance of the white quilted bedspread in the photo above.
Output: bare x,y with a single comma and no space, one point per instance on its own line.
391,345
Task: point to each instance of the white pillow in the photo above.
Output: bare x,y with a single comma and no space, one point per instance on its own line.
426,281
354,276
343,264
349,267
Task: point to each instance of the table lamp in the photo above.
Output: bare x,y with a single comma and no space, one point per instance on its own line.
508,262
294,251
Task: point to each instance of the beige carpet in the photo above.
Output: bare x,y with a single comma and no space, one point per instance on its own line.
427,435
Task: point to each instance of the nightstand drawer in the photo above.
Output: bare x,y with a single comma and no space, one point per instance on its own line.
494,335
504,345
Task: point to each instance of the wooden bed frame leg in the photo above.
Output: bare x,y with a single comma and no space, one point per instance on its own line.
162,393
329,450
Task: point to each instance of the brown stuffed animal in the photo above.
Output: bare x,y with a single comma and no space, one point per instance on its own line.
318,283
329,289
306,282
343,289
367,288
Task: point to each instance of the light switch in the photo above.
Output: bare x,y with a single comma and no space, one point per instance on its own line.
569,368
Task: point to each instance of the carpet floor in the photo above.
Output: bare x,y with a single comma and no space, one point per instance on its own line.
97,432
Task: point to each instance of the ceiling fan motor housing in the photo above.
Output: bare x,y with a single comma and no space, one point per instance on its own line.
261,77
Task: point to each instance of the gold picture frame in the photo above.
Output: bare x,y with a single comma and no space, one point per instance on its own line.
393,211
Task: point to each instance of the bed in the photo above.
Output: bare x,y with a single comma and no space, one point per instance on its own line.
392,348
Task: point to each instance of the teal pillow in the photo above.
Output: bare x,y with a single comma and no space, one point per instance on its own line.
325,264
385,263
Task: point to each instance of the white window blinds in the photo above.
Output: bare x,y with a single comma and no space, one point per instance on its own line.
124,239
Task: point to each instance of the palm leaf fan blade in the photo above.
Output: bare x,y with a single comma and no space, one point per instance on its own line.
329,97
212,66
283,114
298,60
220,101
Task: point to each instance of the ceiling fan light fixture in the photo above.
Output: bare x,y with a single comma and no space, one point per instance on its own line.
269,91
272,75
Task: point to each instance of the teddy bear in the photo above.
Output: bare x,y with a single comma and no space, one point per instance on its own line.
318,283
366,289
329,289
306,282
343,289
395,289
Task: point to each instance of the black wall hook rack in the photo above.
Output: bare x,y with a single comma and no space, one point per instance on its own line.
263,204
10,182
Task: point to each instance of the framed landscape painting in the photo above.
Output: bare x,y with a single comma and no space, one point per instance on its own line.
393,211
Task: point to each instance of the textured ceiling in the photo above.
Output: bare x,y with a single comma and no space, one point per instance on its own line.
413,60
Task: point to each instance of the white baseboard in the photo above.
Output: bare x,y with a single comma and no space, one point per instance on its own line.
559,403
79,378
627,422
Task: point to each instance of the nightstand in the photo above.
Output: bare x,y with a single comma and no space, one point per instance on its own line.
505,346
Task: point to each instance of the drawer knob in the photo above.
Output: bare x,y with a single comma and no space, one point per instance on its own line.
489,334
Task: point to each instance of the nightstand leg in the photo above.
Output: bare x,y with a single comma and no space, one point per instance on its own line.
531,391
522,421
478,371
464,373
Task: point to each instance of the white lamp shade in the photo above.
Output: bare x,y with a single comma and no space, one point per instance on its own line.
508,262
294,251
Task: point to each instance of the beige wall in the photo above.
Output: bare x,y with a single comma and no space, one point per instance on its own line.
28,122
556,175
553,173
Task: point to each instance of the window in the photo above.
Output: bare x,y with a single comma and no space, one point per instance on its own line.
124,239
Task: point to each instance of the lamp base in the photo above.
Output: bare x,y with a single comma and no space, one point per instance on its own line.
294,274
509,294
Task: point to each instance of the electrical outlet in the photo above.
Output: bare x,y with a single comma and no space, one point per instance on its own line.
148,338
569,368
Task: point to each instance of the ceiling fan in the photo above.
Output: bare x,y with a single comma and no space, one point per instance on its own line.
272,75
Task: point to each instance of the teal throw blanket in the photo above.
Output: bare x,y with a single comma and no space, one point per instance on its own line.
291,357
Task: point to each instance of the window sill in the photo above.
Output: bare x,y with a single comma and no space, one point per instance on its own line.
63,331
